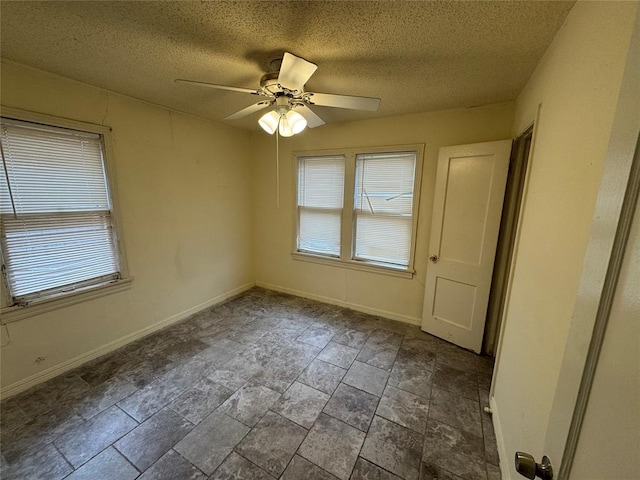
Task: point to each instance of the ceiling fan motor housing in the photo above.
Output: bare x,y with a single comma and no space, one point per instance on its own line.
269,83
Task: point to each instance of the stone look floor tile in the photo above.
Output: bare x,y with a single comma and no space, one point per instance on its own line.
458,452
272,443
183,349
412,375
12,415
207,445
338,354
394,448
172,466
484,365
352,406
430,471
45,463
249,403
381,349
316,336
150,440
404,408
368,471
104,368
366,377
245,335
301,404
50,395
484,397
262,353
235,467
279,374
31,436
299,353
493,472
332,445
424,348
456,357
299,324
484,381
109,465
322,376
456,381
219,352
141,373
456,411
212,333
235,372
103,396
351,338
198,402
300,468
84,442
190,371
164,389
393,326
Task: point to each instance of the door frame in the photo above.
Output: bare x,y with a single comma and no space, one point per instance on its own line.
514,193
532,125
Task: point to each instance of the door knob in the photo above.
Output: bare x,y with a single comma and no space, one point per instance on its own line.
527,467
434,258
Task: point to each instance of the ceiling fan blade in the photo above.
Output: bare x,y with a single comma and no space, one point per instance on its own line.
295,71
309,115
343,101
220,87
249,110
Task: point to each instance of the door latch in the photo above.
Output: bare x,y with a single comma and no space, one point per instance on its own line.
527,467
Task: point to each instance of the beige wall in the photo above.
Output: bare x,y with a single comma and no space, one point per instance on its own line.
394,297
185,208
577,84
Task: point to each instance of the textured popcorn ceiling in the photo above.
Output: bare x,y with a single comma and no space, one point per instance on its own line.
415,56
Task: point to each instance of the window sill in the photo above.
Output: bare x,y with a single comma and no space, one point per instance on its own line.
354,265
15,313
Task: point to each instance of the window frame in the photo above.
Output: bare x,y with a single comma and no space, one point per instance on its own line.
298,208
347,237
10,312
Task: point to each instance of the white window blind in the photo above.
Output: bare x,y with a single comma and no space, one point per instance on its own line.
320,201
383,206
55,211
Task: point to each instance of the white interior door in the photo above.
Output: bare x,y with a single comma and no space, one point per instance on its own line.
469,191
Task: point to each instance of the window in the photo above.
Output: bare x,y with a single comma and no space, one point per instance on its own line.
359,207
57,230
320,201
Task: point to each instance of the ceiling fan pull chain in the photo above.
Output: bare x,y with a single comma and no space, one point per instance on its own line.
277,169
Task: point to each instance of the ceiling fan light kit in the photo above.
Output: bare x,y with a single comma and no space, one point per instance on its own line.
269,122
283,119
285,90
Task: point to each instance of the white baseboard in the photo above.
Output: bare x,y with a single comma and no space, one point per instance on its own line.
75,362
340,303
504,456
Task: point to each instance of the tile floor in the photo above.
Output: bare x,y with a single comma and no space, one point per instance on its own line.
264,386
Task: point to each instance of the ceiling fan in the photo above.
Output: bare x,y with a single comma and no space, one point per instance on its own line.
284,89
